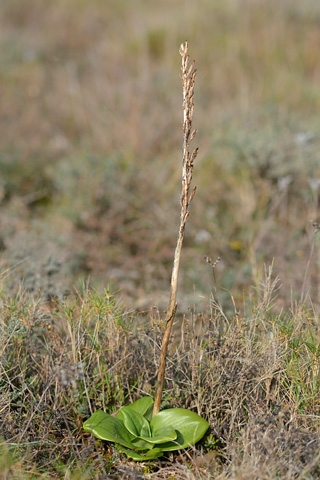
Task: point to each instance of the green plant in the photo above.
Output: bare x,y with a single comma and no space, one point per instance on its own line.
143,437
140,430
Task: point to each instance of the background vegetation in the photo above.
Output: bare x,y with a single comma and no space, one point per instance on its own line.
90,149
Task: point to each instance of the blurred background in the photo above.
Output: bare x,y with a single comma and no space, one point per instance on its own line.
90,147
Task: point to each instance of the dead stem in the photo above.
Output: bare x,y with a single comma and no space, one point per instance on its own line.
188,81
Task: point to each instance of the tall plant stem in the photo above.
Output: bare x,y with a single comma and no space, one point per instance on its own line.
188,81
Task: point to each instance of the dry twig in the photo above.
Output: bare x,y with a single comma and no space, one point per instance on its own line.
188,81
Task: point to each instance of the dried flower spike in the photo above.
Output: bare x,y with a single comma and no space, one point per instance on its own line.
188,74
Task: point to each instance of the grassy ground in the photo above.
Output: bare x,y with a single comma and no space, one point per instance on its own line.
255,379
90,148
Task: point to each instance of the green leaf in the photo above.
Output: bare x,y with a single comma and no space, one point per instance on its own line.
136,423
104,426
151,454
142,444
189,427
163,434
144,406
139,426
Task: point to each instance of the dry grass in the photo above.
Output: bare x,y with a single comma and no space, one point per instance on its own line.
255,379
89,145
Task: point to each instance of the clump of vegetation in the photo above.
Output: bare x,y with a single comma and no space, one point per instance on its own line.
78,203
255,378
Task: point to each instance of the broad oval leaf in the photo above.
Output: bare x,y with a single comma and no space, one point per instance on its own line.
139,426
144,406
141,444
163,435
189,427
104,426
136,423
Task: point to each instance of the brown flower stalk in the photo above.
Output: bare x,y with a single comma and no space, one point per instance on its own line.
188,81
